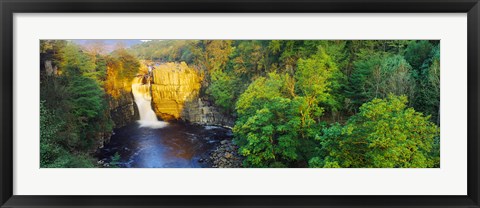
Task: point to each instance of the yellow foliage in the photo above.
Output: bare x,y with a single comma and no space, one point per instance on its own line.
114,85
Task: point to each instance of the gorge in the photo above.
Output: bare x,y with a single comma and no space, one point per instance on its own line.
174,142
240,103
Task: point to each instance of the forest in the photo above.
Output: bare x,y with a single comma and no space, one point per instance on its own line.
292,103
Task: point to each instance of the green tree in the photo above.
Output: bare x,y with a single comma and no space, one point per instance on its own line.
75,62
384,134
279,116
316,77
74,112
49,128
267,124
379,76
427,96
51,50
417,52
223,90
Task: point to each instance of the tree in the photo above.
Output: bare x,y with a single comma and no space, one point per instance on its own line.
250,59
427,96
268,123
286,53
74,112
417,52
212,54
74,62
51,50
286,97
121,68
278,116
381,75
49,128
223,90
316,77
127,64
384,134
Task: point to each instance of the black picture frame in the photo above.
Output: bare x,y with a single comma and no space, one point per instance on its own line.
9,7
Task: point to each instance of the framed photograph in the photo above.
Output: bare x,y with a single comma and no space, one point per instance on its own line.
239,104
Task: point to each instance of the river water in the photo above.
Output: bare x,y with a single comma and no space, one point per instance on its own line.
177,145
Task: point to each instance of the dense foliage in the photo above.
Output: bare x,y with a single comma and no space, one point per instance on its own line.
290,97
385,133
74,113
296,103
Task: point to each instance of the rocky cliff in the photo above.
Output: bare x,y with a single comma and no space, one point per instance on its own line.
175,96
172,85
201,111
120,98
123,109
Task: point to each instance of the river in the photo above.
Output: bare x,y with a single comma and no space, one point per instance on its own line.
177,145
150,143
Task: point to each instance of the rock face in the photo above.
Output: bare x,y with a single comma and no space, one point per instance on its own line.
123,109
226,156
175,95
172,86
50,68
200,111
120,98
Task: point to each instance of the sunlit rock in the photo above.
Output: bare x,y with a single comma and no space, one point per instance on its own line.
120,99
173,84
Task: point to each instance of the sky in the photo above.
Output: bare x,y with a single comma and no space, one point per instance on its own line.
110,44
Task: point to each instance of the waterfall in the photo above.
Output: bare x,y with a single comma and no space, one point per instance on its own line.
143,99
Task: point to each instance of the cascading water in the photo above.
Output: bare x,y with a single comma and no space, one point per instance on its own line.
158,144
143,99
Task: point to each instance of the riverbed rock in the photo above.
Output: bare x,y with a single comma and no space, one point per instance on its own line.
226,155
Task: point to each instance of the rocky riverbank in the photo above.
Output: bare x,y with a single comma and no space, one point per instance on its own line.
177,145
226,156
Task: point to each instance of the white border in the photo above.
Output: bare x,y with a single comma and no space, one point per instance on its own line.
450,179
